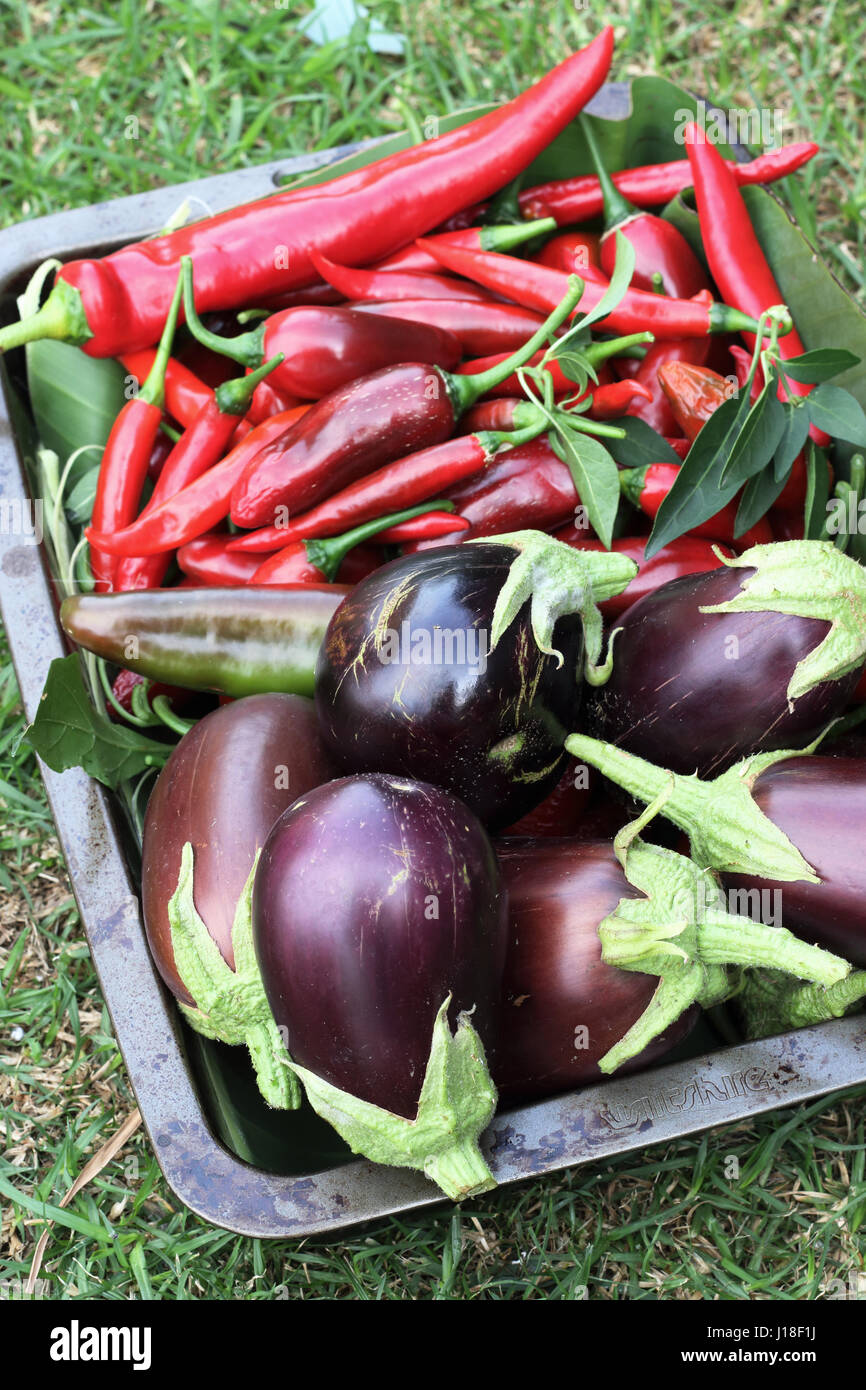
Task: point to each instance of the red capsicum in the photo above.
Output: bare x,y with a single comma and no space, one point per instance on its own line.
120,303
573,252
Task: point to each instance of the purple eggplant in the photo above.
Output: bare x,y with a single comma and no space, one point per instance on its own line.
419,675
692,690
379,923
208,816
564,1008
819,803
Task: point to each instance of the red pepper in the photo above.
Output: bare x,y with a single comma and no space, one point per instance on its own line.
310,561
198,449
125,682
694,394
208,560
687,555
126,456
428,473
664,261
185,394
620,398
648,487
120,302
572,252
424,527
377,419
736,258
330,347
661,357
203,503
495,238
512,412
268,400
651,185
479,328
742,366
394,284
562,385
539,287
680,445
162,447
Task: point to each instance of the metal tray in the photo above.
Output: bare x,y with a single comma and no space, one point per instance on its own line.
221,1151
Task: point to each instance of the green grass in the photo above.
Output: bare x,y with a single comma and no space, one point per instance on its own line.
104,100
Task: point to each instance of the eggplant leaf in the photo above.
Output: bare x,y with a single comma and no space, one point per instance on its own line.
69,731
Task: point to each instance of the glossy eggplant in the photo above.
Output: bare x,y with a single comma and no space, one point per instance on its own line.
406,682
563,1007
379,923
696,691
221,790
819,802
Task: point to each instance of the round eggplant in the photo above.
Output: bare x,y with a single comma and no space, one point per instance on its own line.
407,682
563,1007
221,790
696,691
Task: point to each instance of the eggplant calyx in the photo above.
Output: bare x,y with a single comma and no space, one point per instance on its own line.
559,581
457,1102
230,1005
772,1003
681,931
808,579
727,829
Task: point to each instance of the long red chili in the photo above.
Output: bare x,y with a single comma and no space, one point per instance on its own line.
123,469
651,185
735,256
539,287
658,412
495,238
428,473
197,450
686,555
377,419
609,402
395,284
312,560
204,503
480,329
120,302
574,252
664,261
185,393
648,487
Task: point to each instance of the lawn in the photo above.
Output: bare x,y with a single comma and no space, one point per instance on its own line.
101,100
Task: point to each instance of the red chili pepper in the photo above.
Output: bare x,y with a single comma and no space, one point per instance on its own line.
562,385
268,400
479,328
125,682
687,555
572,252
390,285
679,445
198,449
658,412
694,393
125,459
511,412
327,348
377,419
185,393
162,447
201,505
208,560
651,185
648,487
419,476
664,261
619,398
310,561
119,302
735,256
495,238
742,366
539,287
423,528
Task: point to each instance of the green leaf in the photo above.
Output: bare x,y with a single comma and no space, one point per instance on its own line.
69,731
698,492
573,365
759,494
78,503
836,411
595,475
817,494
794,436
623,270
75,398
681,213
759,437
641,445
819,365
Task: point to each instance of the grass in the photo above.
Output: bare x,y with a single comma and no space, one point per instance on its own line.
102,100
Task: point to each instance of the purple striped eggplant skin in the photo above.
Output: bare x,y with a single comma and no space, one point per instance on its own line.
375,898
556,984
406,683
820,804
221,790
695,692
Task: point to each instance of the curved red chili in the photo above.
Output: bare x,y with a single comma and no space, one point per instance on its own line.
480,329
687,555
648,487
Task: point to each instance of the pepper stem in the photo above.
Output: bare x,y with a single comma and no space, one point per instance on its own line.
328,553
505,237
617,208
466,390
62,316
233,397
153,390
246,348
603,348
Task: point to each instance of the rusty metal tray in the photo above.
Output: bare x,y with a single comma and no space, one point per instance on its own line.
230,1160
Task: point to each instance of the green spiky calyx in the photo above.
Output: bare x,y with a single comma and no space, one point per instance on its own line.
457,1102
559,581
771,1003
230,1005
